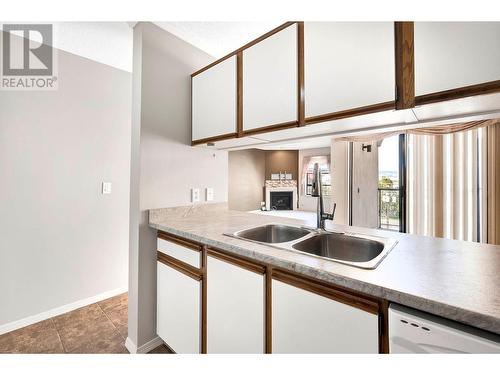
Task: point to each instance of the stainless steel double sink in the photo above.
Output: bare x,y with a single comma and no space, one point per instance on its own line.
357,250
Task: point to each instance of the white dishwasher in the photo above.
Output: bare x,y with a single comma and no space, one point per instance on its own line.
413,331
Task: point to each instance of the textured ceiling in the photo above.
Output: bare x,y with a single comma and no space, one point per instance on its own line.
218,38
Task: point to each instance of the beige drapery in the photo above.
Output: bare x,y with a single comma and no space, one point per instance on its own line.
493,185
447,184
434,130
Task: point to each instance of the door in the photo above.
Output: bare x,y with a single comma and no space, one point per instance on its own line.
305,322
178,320
364,188
235,308
347,65
214,101
270,77
450,55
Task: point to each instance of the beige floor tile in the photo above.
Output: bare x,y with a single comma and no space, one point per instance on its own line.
40,337
119,317
162,349
113,344
85,327
113,302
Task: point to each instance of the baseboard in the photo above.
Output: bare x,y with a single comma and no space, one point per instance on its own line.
12,326
145,348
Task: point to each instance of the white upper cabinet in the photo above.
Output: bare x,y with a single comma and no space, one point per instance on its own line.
214,100
270,80
347,65
451,55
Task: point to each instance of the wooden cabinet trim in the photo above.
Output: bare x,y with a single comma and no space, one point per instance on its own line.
405,64
239,94
248,45
204,301
180,266
180,241
237,261
458,93
268,317
271,128
383,327
386,106
328,291
301,103
213,139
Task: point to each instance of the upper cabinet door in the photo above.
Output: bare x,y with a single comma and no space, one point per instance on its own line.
214,101
270,80
347,65
450,55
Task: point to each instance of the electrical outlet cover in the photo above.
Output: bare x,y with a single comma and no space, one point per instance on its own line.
195,195
106,188
209,194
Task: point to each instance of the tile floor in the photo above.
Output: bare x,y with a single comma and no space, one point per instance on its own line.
93,329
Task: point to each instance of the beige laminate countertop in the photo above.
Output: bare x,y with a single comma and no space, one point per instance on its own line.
454,279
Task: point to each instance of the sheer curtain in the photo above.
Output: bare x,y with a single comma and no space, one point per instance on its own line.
447,183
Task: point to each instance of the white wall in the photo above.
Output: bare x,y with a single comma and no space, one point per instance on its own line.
61,240
109,43
247,175
164,165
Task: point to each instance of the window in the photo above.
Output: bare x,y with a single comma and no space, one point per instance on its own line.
324,166
390,184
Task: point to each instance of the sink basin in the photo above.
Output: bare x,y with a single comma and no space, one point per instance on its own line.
358,250
272,233
341,247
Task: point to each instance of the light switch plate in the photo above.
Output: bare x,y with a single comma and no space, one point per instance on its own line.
209,194
106,187
195,195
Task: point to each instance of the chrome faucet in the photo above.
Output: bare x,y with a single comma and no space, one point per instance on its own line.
317,191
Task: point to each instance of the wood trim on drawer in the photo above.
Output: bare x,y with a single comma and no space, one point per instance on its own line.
237,261
179,241
387,106
180,266
248,45
326,290
405,65
458,93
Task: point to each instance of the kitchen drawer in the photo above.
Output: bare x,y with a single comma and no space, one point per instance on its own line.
187,254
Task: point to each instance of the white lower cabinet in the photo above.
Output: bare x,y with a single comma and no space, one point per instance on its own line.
178,310
304,322
235,308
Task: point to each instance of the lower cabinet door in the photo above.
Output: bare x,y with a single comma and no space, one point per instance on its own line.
235,309
305,322
178,310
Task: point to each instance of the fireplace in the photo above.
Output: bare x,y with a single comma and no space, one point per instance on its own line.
281,200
